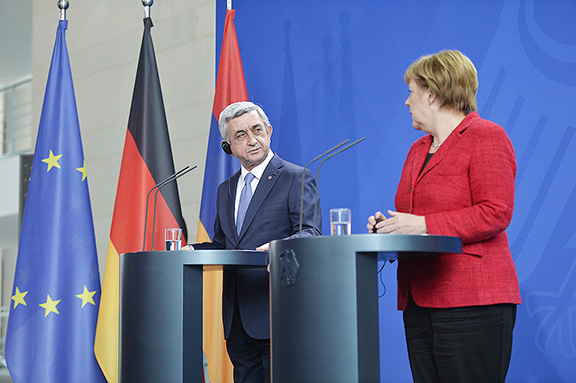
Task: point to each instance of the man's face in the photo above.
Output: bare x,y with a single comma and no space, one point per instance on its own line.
249,140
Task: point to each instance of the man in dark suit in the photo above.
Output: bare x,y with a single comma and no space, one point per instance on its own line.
273,212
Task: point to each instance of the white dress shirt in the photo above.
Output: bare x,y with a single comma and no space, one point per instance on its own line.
257,172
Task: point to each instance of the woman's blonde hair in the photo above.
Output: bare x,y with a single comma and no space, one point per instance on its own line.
448,74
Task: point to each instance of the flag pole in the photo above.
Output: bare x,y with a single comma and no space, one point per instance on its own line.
63,5
229,4
147,4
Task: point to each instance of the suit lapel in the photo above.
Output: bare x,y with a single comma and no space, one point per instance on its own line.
436,158
266,183
442,152
419,158
228,225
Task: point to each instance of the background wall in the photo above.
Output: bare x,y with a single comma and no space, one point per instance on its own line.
327,71
103,44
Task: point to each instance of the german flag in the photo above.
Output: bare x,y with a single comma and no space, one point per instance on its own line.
230,88
147,160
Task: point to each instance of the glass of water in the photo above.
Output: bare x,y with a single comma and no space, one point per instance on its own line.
340,222
173,238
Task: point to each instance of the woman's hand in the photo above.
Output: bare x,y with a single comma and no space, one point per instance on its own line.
374,220
398,223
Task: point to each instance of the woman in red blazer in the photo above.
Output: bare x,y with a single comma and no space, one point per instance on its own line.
458,180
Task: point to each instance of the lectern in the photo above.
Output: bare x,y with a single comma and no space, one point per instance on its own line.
161,311
324,303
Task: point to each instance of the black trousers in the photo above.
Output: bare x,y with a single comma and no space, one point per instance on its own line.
250,357
459,345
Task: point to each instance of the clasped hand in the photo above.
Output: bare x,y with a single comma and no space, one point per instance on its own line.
264,247
397,223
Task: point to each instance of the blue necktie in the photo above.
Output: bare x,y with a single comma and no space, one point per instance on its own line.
245,197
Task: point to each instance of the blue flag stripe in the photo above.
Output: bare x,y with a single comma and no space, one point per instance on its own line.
219,166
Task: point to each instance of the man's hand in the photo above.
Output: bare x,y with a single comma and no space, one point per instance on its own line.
264,247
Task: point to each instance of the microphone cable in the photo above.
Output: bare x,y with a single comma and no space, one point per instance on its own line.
382,280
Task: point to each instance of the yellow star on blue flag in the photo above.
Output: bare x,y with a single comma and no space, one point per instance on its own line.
50,306
52,161
87,296
18,297
83,171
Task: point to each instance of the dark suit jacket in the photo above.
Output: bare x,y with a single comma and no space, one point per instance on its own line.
466,190
273,213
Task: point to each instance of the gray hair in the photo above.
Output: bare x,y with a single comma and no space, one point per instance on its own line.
236,110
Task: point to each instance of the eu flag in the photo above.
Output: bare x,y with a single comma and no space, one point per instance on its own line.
56,290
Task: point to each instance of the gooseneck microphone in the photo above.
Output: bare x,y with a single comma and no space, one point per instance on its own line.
318,172
303,173
158,186
156,197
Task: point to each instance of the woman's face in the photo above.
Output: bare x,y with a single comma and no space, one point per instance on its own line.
419,103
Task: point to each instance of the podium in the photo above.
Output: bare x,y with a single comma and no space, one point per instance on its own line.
324,303
160,334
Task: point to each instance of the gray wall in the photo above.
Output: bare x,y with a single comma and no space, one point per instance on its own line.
104,40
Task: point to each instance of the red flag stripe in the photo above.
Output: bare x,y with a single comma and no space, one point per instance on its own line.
230,82
129,212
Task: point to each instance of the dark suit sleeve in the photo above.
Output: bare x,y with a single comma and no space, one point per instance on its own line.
219,240
308,227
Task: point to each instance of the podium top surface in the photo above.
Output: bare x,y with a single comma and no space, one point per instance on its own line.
379,243
202,257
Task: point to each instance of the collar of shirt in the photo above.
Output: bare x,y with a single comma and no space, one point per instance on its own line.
257,172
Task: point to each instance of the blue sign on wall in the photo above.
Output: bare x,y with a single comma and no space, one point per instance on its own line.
328,71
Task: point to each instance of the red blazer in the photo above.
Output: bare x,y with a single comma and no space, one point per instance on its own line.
466,190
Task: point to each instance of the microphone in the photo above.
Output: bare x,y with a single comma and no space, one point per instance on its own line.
161,183
318,172
302,191
176,176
